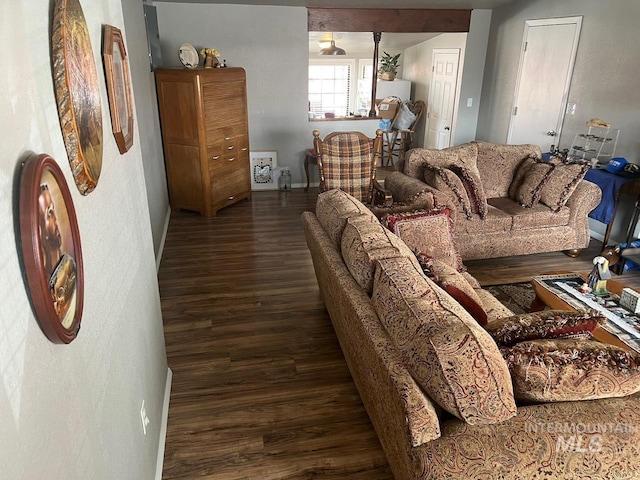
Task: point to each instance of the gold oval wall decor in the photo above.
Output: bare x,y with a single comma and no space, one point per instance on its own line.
77,93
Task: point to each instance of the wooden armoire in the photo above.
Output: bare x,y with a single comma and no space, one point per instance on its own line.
205,132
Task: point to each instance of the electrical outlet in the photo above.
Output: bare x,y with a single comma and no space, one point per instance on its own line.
144,418
571,109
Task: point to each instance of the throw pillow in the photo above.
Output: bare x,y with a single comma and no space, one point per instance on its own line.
462,161
529,180
455,284
450,356
429,232
364,241
563,180
571,370
545,324
448,182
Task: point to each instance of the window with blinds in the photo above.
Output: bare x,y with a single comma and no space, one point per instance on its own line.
330,88
339,86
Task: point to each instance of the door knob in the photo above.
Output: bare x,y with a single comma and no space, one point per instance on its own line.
552,133
447,128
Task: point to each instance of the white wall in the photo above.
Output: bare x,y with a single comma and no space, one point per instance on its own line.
272,45
473,74
72,411
144,85
605,76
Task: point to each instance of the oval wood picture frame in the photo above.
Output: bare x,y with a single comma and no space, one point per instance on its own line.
51,249
77,93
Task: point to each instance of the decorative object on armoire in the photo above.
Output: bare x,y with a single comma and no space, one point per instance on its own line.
77,93
205,133
188,56
51,251
263,170
388,68
210,56
116,68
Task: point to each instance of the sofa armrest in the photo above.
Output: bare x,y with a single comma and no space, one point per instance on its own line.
416,193
585,198
400,412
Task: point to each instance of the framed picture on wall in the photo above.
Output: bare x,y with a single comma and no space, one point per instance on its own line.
77,93
116,69
263,170
51,249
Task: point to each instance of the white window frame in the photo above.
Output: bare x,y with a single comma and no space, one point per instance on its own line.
340,61
357,73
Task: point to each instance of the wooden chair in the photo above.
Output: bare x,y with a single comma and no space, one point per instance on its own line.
347,160
402,139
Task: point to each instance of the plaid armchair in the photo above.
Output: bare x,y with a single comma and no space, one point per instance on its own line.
347,160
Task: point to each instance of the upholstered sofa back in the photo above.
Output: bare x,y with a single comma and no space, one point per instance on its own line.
432,332
497,165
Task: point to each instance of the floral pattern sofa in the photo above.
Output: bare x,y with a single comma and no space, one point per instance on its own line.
434,382
508,202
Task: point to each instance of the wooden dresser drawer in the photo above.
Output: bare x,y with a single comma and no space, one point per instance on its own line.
230,187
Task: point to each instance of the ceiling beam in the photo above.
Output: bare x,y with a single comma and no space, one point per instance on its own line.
387,20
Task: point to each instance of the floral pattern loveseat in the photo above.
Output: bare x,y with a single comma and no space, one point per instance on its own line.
507,201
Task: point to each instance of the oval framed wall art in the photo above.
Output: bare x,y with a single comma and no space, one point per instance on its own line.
77,93
51,249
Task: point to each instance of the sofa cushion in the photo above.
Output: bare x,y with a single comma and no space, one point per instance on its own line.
538,216
562,182
448,182
334,208
497,164
364,241
495,221
429,232
451,357
529,180
462,161
570,370
545,324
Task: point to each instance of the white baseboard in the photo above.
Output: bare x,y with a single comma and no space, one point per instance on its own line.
163,239
596,235
304,185
163,427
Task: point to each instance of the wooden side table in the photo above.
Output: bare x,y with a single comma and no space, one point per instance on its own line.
310,157
632,188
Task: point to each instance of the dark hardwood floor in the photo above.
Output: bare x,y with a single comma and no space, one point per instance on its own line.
260,386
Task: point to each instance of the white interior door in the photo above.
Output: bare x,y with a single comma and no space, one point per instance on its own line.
546,63
442,95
